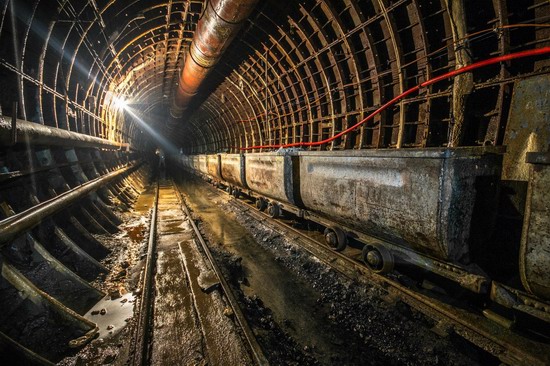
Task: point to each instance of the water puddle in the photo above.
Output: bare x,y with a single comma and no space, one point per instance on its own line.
111,316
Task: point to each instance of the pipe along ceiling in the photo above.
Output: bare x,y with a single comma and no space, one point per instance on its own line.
230,75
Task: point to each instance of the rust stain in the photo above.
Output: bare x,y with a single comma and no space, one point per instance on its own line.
136,233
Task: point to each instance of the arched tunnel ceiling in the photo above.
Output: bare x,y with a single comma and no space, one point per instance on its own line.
298,71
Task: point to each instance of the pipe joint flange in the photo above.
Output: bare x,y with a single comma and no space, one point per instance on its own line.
200,58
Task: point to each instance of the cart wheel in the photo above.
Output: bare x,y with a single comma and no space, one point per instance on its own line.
336,238
274,210
378,258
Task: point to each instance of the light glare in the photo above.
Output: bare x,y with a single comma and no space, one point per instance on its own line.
120,103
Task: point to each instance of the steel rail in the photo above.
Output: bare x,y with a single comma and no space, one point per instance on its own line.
509,347
17,224
257,352
141,337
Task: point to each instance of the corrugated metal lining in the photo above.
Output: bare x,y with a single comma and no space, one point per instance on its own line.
299,71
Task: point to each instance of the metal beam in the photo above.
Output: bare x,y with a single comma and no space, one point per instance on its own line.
38,134
19,223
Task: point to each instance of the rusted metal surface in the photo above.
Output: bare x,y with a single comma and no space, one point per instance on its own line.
265,174
519,300
17,224
233,169
220,22
528,125
329,63
200,164
48,252
300,71
143,332
423,199
185,161
41,303
194,162
37,134
535,242
217,277
463,84
213,167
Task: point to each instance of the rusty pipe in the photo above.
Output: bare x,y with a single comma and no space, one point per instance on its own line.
218,26
38,134
17,224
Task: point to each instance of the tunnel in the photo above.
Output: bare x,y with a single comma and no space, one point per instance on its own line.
309,182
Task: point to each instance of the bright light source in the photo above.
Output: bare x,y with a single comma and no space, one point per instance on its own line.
120,103
160,140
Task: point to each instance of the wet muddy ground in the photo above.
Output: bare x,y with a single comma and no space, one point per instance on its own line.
115,313
302,311
190,325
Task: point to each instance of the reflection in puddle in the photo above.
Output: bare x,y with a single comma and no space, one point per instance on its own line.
111,316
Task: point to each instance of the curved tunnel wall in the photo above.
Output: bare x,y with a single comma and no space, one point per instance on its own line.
317,67
70,63
301,71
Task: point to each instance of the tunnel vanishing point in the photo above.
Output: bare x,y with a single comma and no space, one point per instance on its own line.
416,130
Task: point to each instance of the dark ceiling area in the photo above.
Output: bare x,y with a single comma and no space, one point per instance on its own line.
299,73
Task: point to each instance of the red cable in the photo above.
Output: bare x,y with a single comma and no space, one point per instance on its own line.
474,66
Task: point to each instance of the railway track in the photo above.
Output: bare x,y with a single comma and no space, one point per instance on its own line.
178,259
508,346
